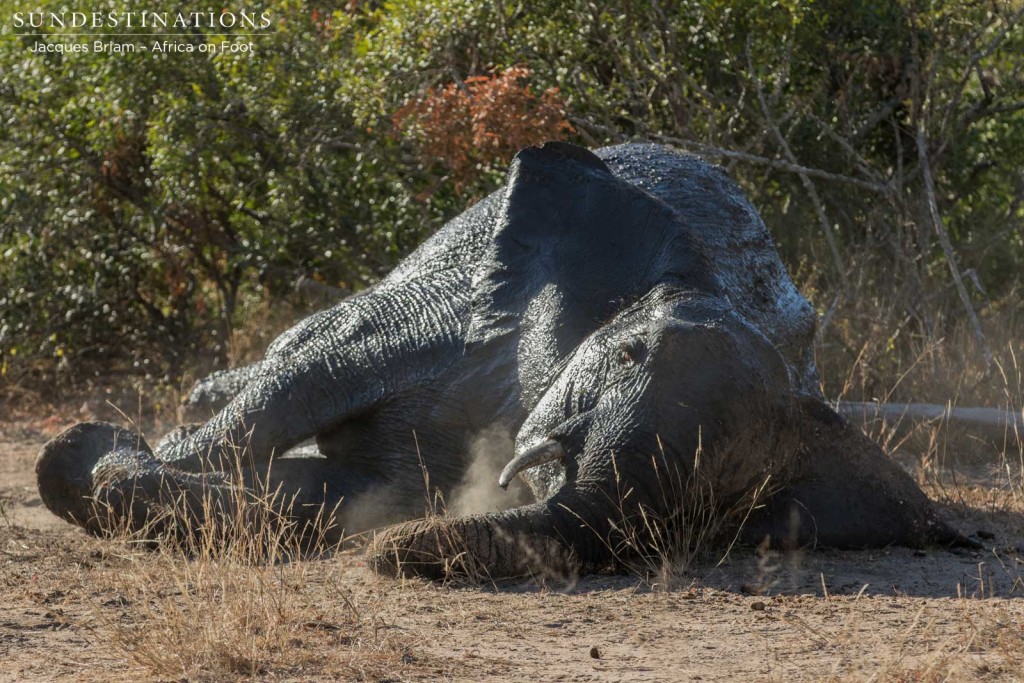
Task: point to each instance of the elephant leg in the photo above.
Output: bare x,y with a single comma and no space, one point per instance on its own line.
130,490
213,392
338,366
342,363
293,498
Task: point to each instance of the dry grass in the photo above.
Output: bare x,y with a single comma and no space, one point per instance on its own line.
243,599
894,347
873,350
949,459
246,593
664,549
931,641
213,619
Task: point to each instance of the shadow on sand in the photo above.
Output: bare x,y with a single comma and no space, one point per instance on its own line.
996,571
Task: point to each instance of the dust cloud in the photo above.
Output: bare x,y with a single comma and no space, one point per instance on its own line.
379,509
479,491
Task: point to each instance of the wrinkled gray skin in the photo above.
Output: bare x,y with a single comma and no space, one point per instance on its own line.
605,307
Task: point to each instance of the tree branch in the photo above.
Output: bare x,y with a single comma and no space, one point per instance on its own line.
707,150
808,184
947,246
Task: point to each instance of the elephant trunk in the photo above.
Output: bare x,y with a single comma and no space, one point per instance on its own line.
558,537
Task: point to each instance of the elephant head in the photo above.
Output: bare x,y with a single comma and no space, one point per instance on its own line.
629,346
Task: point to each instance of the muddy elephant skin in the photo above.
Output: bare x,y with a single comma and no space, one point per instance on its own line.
608,310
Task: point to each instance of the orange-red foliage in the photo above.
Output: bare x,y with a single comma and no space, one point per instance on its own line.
484,120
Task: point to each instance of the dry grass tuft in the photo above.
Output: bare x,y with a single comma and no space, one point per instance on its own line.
892,348
985,643
212,619
664,549
240,594
874,350
958,467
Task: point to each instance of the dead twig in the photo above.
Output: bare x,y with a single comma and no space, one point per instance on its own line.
712,151
812,192
947,245
776,164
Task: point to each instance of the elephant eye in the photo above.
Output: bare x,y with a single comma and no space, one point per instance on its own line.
630,353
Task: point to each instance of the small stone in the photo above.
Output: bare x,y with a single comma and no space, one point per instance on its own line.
920,553
757,606
595,653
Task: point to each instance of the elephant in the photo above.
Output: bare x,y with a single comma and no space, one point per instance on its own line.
622,313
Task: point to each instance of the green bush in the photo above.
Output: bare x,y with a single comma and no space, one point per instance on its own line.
143,196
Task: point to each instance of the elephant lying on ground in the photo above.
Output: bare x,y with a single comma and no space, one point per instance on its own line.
618,311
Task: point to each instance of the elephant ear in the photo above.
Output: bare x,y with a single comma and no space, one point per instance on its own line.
573,245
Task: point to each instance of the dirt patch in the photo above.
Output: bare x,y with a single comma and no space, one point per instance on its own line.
78,608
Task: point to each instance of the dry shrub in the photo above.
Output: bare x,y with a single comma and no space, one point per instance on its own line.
483,119
895,337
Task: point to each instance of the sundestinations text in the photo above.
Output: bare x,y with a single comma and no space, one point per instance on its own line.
143,19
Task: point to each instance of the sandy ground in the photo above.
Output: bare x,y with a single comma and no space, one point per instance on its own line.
70,610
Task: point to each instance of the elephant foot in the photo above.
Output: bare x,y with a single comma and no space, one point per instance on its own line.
67,467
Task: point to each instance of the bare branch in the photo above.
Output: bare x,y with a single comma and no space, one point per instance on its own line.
777,164
858,160
713,151
1006,108
812,191
882,113
974,64
947,246
994,44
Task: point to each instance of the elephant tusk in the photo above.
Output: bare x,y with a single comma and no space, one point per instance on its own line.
549,451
